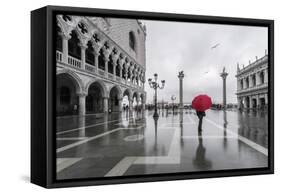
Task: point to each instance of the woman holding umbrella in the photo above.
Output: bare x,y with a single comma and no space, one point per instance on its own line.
201,103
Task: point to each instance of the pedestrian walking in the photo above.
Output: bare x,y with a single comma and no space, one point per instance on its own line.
200,115
201,103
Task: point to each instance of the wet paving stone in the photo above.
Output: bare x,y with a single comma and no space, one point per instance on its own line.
110,146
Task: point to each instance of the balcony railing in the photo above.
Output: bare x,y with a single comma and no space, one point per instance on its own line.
72,61
59,56
256,87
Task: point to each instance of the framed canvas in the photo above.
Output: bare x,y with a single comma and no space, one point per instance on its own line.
127,96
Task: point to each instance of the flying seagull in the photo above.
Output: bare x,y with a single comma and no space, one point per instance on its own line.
215,46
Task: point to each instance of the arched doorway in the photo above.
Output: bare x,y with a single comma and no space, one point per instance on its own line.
142,101
114,102
254,103
241,84
247,82
262,103
67,102
247,102
135,100
241,104
126,103
94,100
262,77
254,80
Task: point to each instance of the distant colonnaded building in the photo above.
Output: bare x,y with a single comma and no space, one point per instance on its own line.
252,84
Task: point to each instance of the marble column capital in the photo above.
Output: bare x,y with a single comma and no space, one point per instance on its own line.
83,46
65,36
82,94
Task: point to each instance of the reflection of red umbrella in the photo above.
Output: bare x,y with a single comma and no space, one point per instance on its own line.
201,103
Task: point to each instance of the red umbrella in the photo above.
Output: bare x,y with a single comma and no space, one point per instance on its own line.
201,103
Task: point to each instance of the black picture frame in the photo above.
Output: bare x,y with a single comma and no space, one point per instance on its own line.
43,111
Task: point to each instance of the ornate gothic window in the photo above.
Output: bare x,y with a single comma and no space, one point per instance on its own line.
261,77
110,65
101,60
241,84
73,46
254,80
132,41
90,57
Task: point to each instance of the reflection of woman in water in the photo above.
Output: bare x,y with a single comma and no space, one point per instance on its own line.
200,115
200,160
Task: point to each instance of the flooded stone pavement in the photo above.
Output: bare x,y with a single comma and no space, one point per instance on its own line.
119,145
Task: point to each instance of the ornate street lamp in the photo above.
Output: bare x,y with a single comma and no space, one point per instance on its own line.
154,85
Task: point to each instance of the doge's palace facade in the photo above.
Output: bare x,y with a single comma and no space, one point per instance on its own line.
99,61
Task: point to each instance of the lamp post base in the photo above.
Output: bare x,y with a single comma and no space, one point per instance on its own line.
155,115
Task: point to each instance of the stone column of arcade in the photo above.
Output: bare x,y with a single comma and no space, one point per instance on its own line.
121,70
251,102
131,75
245,105
65,39
266,76
82,113
96,54
82,104
251,84
115,58
105,104
83,55
258,102
106,59
120,100
126,74
130,99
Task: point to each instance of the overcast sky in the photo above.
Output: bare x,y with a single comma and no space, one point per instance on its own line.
175,46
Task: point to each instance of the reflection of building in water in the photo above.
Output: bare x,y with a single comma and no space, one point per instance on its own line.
99,61
252,84
254,126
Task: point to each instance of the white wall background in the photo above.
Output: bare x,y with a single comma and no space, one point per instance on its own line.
15,95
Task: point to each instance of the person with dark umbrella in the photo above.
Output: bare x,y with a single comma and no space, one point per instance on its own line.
201,103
